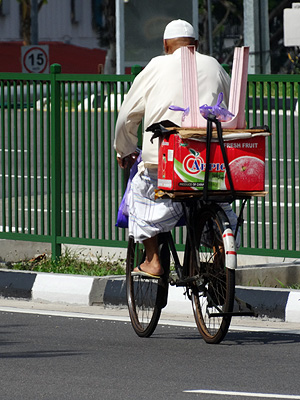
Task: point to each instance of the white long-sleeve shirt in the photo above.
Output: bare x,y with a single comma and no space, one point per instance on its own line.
158,86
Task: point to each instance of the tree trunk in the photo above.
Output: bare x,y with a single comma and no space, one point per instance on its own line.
110,60
25,21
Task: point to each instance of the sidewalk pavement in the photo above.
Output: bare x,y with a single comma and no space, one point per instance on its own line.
110,291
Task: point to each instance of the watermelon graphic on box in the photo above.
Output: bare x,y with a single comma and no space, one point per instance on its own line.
182,164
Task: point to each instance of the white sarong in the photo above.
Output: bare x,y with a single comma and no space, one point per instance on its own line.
147,216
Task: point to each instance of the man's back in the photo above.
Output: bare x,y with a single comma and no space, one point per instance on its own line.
160,86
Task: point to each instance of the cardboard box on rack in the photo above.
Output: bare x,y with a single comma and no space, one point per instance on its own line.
182,164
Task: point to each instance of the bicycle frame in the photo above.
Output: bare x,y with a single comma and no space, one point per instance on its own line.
208,269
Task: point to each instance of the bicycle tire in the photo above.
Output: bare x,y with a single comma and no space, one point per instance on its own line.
146,296
214,290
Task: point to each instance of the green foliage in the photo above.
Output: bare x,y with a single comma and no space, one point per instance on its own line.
280,283
72,263
227,27
295,61
261,283
274,89
295,286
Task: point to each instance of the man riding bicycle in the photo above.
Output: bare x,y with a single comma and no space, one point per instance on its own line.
153,91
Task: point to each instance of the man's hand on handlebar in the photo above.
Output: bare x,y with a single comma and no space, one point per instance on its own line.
127,161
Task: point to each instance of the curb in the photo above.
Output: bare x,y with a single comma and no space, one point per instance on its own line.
283,304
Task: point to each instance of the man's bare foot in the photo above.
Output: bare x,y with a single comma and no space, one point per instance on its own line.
151,265
150,268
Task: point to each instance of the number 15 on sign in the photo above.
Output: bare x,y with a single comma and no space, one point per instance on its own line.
35,59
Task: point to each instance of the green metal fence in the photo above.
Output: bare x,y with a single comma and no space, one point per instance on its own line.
59,180
272,226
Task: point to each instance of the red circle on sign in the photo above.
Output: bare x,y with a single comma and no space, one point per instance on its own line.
33,49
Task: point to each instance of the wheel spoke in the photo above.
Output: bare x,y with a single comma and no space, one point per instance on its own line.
214,292
144,295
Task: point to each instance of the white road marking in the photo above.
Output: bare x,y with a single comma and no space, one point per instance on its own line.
245,394
64,314
163,322
68,314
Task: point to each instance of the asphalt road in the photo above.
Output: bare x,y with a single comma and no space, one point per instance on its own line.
80,356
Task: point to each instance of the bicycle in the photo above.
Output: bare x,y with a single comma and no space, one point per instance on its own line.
207,272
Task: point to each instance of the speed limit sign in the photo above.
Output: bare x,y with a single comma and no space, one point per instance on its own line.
35,59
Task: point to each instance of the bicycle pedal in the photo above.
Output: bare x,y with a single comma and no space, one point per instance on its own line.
173,278
185,281
176,282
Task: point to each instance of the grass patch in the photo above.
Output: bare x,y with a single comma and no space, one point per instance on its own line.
72,263
295,286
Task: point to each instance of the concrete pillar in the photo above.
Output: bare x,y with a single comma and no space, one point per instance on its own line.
256,35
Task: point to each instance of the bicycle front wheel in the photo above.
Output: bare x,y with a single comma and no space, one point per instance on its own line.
145,296
214,288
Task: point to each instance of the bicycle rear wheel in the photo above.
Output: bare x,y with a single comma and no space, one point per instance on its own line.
146,296
214,289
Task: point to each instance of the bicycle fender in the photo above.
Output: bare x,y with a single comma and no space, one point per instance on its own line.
230,249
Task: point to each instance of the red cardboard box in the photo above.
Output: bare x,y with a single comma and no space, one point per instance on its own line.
182,164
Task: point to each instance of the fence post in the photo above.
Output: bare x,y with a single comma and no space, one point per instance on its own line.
55,161
135,70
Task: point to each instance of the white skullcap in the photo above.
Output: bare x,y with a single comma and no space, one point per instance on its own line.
179,28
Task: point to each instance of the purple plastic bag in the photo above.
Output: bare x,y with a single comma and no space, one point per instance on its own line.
123,212
185,110
221,113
